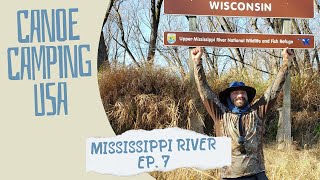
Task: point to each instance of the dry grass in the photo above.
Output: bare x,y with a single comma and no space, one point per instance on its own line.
292,163
187,173
289,164
305,93
154,98
306,127
146,99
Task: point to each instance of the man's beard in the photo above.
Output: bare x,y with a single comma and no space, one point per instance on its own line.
240,104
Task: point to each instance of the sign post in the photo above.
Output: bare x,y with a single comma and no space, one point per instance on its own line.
284,140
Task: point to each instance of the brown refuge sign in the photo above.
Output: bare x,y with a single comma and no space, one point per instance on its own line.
250,8
238,40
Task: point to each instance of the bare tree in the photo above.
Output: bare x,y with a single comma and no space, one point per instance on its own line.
317,5
227,26
124,43
102,50
155,13
307,58
254,25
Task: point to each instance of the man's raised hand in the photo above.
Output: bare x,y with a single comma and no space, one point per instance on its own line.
196,54
287,54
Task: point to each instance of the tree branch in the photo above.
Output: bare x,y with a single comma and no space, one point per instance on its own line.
125,45
254,25
243,63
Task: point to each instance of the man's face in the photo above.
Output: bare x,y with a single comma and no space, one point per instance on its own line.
239,98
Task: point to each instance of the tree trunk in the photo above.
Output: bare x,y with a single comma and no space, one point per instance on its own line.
102,53
124,42
155,10
102,49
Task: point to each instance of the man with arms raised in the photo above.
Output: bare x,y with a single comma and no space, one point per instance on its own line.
235,116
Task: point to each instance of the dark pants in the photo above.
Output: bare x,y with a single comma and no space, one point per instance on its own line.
259,176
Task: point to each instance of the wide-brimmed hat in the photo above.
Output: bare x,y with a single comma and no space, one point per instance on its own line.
235,85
